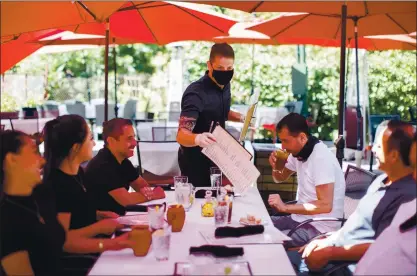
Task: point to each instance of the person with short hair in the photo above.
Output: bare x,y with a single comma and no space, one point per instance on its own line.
375,210
110,173
205,103
321,183
394,252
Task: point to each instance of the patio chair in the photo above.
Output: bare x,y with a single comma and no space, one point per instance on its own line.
164,133
129,111
357,182
76,108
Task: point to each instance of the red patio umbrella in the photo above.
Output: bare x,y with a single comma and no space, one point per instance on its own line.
392,13
19,17
141,22
15,50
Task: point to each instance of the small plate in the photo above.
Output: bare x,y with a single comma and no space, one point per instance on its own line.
244,221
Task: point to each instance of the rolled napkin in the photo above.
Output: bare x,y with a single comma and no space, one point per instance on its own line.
165,187
136,208
236,232
219,251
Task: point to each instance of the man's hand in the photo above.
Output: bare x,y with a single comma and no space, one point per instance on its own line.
272,159
108,226
106,215
158,193
204,139
147,192
276,202
313,245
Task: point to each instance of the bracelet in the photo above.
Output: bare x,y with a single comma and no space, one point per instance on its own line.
100,245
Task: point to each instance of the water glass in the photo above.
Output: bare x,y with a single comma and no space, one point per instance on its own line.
220,213
215,178
180,179
161,240
156,216
184,195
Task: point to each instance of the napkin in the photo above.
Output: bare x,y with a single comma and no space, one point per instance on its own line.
219,251
136,208
236,232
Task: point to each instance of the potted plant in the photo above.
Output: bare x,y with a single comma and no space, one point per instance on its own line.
30,107
9,107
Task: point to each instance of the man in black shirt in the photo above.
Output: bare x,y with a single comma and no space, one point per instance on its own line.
205,103
110,173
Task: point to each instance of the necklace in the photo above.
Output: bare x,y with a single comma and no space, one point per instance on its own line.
36,213
80,182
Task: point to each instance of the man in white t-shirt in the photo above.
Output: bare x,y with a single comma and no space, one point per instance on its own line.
321,183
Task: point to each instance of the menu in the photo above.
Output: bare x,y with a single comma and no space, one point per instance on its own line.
232,159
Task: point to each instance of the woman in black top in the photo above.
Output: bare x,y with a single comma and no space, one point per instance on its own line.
28,243
68,143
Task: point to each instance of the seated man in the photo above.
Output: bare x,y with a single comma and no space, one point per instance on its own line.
321,183
394,252
376,209
110,173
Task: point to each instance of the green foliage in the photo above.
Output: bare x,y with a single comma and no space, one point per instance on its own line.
8,103
392,82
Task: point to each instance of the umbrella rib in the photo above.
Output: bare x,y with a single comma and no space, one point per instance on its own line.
86,9
198,18
366,8
147,26
256,7
398,24
15,37
140,6
286,28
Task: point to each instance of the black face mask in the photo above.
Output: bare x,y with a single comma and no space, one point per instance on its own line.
223,77
306,151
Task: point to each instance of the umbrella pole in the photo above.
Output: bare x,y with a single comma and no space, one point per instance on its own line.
116,108
358,104
340,142
106,73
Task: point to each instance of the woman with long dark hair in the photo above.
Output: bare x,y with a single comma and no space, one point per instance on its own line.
28,243
68,143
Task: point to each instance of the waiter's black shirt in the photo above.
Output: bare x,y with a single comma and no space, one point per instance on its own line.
206,102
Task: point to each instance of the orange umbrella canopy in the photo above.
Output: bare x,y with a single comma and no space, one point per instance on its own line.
160,23
15,50
239,35
354,8
323,26
25,16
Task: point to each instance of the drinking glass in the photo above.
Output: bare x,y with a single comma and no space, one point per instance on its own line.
215,178
156,216
184,195
161,240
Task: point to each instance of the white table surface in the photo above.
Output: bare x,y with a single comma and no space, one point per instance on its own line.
265,259
28,126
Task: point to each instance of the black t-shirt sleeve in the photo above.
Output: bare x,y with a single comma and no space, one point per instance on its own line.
192,102
129,171
107,178
12,240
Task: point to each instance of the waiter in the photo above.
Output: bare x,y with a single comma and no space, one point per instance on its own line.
205,103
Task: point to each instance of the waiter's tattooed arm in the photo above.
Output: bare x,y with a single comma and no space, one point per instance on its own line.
187,138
